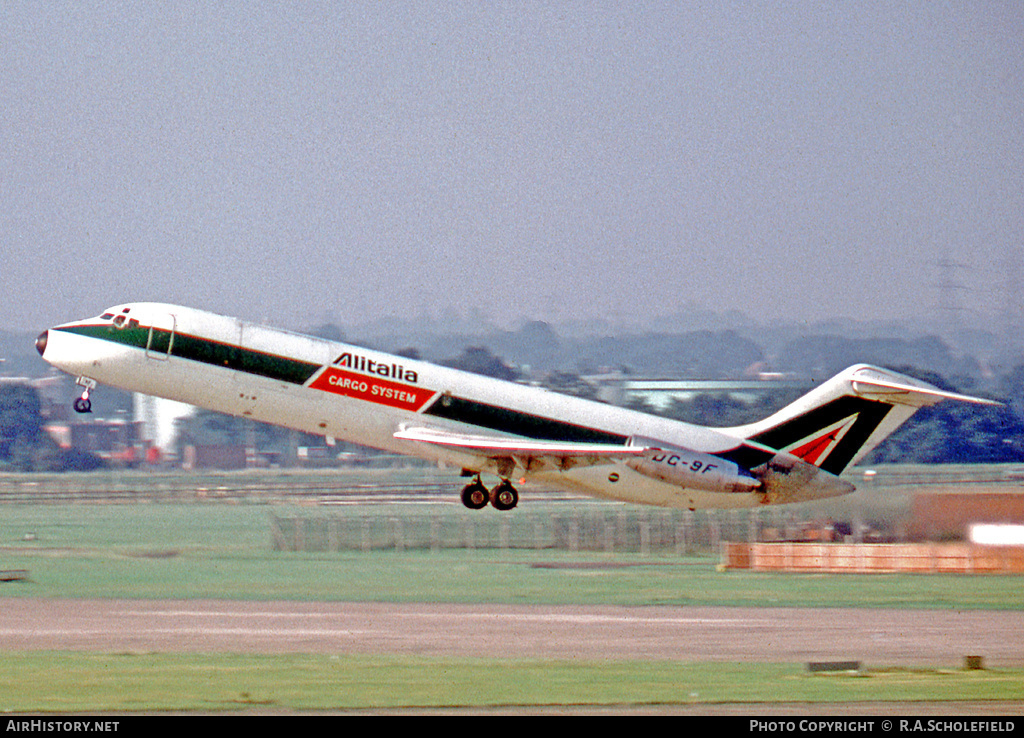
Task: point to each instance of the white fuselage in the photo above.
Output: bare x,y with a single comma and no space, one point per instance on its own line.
363,396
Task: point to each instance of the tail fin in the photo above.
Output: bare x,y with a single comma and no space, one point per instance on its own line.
838,423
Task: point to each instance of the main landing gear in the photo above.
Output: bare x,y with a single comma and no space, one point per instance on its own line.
502,497
83,404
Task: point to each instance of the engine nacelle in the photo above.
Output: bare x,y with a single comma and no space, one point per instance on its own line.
691,469
783,478
787,478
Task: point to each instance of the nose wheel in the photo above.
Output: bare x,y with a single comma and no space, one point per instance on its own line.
83,404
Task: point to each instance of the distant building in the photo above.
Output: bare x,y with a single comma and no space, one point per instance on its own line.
214,457
114,440
621,389
157,418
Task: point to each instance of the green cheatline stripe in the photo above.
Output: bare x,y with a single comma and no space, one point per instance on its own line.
294,371
521,424
203,350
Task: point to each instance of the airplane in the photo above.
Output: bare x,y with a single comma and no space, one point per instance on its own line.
483,425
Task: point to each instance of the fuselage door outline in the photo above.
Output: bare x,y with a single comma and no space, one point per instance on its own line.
160,342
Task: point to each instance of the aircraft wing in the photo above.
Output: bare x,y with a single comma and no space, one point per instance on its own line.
503,455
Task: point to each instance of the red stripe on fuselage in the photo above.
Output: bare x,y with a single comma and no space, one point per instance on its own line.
372,389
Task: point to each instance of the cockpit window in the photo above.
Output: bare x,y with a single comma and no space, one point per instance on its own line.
121,320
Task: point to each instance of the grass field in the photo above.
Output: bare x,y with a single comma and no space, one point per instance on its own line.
225,551
85,682
213,550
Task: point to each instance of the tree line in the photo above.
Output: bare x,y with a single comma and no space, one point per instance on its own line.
949,432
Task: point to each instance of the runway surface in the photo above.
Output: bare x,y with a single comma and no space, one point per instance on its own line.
874,637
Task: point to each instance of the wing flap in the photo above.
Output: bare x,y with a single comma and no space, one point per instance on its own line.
503,455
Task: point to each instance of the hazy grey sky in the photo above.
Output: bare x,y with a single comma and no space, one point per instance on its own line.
298,161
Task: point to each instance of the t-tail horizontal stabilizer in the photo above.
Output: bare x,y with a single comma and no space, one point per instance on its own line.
837,424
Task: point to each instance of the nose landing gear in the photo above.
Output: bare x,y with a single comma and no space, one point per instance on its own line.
83,404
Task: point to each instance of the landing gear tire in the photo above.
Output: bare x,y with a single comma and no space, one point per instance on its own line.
504,496
474,496
83,404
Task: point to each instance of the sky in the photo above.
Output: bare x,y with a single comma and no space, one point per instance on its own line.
308,162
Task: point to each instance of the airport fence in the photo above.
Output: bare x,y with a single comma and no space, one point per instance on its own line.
578,526
410,509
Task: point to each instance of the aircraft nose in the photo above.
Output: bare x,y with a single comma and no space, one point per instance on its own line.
41,342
